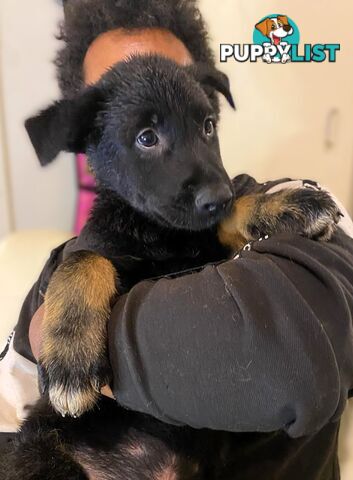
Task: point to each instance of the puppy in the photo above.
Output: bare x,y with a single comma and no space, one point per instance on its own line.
276,29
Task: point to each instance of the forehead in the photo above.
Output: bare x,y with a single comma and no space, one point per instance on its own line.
118,45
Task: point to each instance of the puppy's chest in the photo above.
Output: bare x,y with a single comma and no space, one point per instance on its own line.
132,269
140,249
135,261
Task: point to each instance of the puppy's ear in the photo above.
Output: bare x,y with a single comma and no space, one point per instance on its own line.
64,126
283,19
264,27
210,77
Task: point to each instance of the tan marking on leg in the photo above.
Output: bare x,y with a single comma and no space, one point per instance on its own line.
250,210
232,232
77,308
87,287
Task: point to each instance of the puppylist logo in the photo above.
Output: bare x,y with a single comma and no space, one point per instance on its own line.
276,40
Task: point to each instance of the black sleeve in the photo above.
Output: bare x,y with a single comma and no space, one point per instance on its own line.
260,343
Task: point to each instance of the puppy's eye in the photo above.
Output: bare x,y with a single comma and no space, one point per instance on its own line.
147,138
209,127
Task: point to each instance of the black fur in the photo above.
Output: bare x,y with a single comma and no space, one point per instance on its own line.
61,134
114,443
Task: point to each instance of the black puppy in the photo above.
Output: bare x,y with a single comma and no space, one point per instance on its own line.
165,203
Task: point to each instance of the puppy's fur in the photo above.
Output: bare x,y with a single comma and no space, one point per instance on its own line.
160,208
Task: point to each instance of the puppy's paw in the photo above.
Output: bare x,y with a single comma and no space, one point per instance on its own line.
72,390
321,214
267,58
309,212
305,211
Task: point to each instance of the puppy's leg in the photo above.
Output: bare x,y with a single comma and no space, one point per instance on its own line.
73,362
311,213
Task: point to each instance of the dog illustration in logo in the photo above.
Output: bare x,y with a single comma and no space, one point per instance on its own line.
276,29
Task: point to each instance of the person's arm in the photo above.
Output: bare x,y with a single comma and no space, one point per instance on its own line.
258,344
261,343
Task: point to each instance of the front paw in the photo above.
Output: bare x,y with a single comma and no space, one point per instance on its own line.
308,212
320,212
267,58
285,58
73,384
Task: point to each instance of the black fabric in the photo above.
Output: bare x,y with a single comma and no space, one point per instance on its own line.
261,345
279,457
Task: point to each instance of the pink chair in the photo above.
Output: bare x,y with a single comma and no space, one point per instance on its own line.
87,192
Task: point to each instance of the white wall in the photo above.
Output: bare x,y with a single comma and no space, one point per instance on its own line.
5,207
42,198
5,210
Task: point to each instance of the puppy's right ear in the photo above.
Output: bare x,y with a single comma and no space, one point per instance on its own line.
65,126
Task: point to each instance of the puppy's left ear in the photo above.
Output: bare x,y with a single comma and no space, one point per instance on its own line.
264,27
211,78
64,126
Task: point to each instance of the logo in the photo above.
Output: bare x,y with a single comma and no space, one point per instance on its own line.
276,40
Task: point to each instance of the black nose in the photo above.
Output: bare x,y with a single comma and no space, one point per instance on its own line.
213,199
287,28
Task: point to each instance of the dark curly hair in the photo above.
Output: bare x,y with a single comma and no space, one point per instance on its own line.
85,20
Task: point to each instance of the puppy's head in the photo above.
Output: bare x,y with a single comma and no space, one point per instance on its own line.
149,128
275,28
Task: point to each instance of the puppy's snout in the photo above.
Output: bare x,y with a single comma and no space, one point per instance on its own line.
287,28
213,199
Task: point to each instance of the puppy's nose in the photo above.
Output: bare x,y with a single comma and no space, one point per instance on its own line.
213,199
287,28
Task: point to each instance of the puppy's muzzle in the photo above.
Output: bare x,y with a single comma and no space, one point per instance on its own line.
287,28
214,199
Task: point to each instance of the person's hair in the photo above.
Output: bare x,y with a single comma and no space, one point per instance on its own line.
85,20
